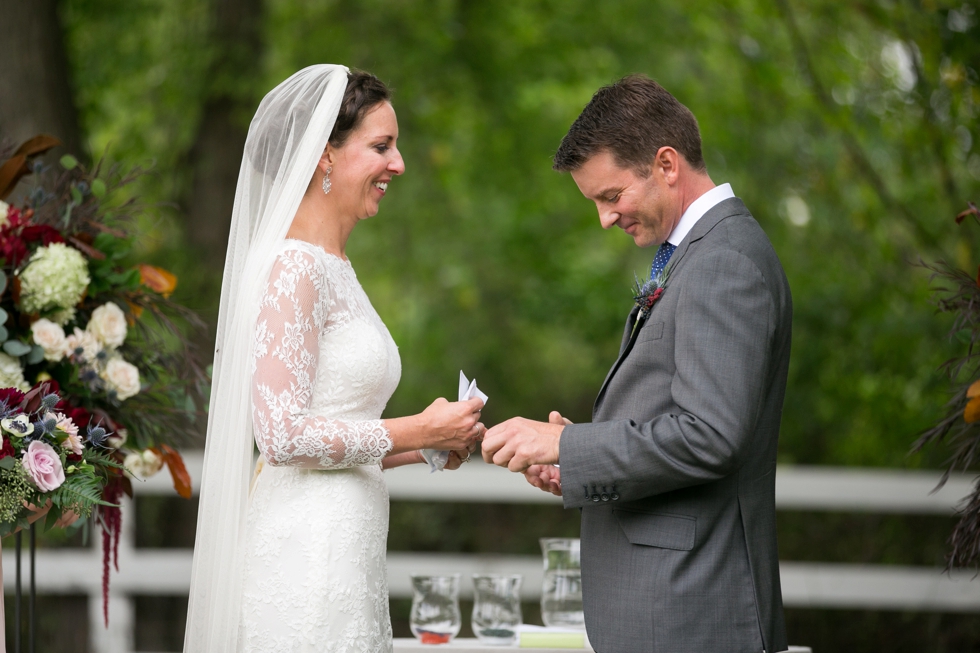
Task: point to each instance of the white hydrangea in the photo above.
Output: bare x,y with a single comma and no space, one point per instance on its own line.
55,279
108,325
11,373
51,338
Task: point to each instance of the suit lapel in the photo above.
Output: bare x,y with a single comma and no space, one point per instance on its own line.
722,210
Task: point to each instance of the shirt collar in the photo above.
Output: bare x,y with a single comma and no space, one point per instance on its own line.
696,211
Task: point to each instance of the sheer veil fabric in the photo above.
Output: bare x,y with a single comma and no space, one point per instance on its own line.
285,140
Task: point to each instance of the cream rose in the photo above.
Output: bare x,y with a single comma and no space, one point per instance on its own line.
108,325
4,209
143,464
122,377
51,338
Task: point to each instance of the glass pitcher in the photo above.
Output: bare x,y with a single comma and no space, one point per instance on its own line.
561,595
496,608
435,617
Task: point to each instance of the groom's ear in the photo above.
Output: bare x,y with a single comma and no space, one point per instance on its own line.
667,164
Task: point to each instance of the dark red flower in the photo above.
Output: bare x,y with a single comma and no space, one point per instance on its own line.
79,416
12,396
73,458
7,450
45,233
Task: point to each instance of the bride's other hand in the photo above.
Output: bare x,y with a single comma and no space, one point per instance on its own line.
453,425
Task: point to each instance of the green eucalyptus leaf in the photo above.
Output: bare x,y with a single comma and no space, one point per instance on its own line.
36,355
4,316
76,195
68,162
16,348
7,463
3,281
3,333
98,188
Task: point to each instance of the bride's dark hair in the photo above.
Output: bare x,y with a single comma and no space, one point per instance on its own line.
364,92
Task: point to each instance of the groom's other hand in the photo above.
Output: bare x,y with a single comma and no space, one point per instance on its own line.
519,443
544,477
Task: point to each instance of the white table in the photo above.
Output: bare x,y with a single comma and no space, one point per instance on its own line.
471,645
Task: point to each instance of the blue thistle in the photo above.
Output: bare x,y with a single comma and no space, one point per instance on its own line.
97,436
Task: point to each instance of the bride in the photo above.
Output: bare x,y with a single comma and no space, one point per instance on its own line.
304,364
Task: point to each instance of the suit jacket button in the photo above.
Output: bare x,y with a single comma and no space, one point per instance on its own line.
595,498
605,497
614,496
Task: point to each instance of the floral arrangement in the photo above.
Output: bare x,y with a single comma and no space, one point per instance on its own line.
98,377
959,295
646,293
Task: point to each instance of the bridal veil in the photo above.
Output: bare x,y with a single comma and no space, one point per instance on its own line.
285,140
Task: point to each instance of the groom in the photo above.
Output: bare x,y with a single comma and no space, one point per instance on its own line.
675,475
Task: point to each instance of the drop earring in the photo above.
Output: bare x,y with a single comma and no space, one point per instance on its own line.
326,180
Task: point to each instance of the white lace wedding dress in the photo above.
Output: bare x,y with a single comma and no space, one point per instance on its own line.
325,366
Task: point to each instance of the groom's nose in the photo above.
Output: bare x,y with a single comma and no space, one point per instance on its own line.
608,219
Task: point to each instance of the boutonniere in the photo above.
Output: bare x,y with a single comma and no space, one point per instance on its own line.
646,294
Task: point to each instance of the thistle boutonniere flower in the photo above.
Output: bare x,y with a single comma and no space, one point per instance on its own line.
646,293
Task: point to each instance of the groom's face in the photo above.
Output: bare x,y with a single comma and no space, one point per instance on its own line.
642,206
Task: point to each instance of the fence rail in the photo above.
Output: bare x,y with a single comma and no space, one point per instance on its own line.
820,585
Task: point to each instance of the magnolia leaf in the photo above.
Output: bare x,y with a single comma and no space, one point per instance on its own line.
178,471
68,162
35,356
98,188
16,348
971,413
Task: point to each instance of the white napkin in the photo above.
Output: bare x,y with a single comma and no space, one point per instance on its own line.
467,390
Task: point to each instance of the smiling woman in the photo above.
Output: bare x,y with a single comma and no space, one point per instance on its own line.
296,560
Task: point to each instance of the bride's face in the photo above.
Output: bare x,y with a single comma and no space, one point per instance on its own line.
366,163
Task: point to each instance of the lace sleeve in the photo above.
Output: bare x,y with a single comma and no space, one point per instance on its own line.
291,317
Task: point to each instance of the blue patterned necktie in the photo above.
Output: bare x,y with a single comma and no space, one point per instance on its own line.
660,260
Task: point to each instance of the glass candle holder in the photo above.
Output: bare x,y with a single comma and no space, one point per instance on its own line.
496,608
561,594
435,617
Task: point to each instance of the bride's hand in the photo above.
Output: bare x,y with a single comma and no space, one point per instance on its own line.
453,425
459,456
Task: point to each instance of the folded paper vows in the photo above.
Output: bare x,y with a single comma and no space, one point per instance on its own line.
467,390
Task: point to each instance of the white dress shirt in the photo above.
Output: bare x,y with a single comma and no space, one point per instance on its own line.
696,211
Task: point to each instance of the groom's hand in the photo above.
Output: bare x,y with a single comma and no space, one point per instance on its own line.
519,443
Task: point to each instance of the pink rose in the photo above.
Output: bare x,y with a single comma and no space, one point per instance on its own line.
44,466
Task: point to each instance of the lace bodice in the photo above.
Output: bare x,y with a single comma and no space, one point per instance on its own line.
315,577
324,365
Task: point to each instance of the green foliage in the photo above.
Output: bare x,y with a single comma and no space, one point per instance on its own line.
848,128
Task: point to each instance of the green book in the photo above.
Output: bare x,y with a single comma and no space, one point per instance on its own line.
542,639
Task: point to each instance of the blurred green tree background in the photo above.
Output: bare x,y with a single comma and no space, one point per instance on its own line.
848,129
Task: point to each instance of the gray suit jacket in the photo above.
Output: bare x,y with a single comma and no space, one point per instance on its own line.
676,473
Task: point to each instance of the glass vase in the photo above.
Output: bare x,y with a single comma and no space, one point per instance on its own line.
435,617
496,608
561,595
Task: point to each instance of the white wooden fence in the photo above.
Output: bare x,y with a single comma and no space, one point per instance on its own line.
823,585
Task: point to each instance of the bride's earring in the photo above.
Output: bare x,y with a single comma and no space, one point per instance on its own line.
326,181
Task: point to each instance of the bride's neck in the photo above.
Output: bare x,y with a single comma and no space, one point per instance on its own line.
319,222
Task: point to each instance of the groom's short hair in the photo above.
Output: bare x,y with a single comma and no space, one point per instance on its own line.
632,119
